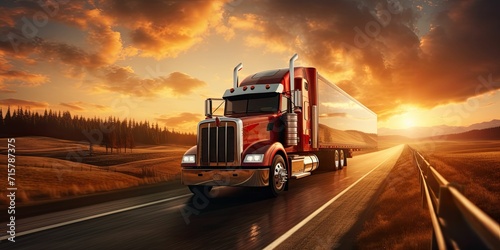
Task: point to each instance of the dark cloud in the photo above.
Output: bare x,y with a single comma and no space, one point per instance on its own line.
371,49
458,51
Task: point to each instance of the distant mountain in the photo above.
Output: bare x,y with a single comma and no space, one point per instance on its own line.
421,132
477,134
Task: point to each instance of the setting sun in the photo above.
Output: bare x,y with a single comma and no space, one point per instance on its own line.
408,121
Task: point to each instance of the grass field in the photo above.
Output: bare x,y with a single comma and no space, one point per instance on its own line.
397,219
48,168
474,165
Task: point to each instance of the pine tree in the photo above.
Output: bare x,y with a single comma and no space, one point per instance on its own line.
119,134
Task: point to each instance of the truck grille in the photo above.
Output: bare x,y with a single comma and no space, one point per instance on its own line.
217,143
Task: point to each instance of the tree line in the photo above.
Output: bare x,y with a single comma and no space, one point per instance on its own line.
112,132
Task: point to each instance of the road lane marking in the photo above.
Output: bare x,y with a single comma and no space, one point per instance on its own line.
36,230
294,229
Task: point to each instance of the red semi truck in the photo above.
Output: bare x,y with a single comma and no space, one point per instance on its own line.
276,125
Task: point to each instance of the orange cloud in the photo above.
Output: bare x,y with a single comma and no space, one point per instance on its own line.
83,106
22,103
165,28
10,76
11,18
24,43
124,80
157,29
73,106
105,43
183,121
24,78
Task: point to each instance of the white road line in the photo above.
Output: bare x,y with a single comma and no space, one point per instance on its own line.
36,230
294,229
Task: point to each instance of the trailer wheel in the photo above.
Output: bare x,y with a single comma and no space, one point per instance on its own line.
341,158
278,176
336,159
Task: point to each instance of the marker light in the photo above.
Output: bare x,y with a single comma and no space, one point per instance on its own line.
268,86
254,158
189,159
252,87
231,90
245,88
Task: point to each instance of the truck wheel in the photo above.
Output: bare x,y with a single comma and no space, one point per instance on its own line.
341,159
200,189
278,176
336,159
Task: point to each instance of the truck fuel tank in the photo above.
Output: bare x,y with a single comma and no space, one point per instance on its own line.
303,165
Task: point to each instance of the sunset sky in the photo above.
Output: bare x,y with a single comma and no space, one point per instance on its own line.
414,63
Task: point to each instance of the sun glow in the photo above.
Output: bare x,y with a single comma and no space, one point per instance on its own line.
408,121
409,117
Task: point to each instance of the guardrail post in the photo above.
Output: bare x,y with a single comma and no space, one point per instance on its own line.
422,192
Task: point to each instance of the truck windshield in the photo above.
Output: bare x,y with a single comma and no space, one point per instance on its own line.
253,103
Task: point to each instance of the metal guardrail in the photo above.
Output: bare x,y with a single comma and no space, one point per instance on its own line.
457,222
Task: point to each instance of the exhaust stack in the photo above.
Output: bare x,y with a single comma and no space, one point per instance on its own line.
292,73
290,118
235,74
295,95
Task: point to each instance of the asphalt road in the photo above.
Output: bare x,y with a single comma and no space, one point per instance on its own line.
323,210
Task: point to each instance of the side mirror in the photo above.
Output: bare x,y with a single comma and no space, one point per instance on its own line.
209,107
297,95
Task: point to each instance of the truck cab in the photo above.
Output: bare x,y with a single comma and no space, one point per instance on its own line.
268,133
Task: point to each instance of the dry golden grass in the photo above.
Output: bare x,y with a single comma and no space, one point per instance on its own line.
40,177
39,144
397,219
163,165
474,165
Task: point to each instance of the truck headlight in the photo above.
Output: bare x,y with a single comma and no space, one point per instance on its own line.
254,158
189,159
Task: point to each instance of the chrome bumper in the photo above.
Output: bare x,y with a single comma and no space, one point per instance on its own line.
226,177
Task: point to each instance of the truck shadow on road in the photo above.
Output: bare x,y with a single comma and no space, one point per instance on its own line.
225,197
